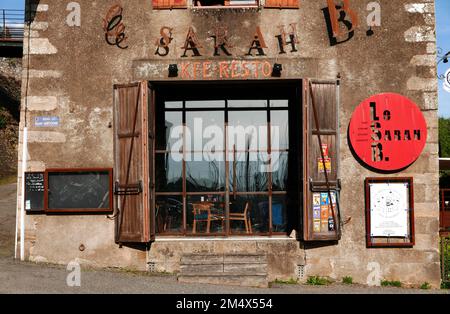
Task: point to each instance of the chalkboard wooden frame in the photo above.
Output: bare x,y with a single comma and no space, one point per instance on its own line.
77,210
32,210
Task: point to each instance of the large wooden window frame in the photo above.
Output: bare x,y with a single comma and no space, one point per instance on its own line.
77,210
227,193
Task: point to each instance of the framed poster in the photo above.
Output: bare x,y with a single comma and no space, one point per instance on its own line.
389,212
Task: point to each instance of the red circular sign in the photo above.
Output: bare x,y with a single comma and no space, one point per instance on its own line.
388,132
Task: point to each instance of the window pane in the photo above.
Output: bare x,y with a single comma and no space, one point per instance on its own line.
169,131
249,172
279,210
254,220
168,173
247,130
205,104
279,103
205,175
247,103
169,214
242,2
205,131
279,129
280,171
200,209
173,104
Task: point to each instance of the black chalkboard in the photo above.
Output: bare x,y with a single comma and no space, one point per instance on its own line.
34,191
79,190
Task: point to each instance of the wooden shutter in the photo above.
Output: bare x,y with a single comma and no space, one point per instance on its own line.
281,4
169,4
132,164
320,148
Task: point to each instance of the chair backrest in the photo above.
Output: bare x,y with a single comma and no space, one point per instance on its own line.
246,209
198,207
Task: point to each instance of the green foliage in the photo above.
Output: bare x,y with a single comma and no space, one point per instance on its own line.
444,137
425,286
389,283
317,281
290,281
445,245
348,280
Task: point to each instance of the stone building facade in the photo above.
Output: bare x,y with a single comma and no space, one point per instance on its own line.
73,71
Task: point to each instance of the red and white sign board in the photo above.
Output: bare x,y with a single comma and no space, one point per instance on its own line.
388,132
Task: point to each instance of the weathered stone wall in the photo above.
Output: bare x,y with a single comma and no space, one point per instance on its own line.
73,69
10,81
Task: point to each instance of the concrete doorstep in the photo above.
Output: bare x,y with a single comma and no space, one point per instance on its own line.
248,270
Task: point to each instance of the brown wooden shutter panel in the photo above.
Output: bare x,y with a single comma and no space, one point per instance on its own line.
132,164
169,4
281,4
322,127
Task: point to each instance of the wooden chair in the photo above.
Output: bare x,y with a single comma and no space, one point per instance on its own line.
202,213
245,217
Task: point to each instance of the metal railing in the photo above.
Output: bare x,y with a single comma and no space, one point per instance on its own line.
11,25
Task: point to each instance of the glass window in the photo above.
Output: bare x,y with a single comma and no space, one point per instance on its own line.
249,214
205,214
279,103
169,131
279,121
169,173
173,104
280,170
169,214
249,172
205,104
209,3
247,103
247,130
205,131
279,213
205,176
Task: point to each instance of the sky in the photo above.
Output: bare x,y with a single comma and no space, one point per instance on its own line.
443,41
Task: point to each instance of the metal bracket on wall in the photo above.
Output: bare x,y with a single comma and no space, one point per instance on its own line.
128,189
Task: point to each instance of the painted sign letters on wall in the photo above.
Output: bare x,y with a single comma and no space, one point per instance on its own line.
114,27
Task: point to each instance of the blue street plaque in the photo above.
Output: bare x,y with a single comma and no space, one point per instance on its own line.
46,122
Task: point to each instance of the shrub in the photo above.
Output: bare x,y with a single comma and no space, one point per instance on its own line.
290,281
388,283
317,281
425,286
348,280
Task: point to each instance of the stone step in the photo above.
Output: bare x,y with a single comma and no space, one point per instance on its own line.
259,281
241,269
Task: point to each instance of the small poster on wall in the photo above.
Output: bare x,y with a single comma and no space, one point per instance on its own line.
323,215
389,212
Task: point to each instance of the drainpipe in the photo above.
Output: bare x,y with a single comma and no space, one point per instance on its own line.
22,199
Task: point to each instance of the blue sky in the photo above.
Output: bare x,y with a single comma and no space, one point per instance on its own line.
12,4
443,41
